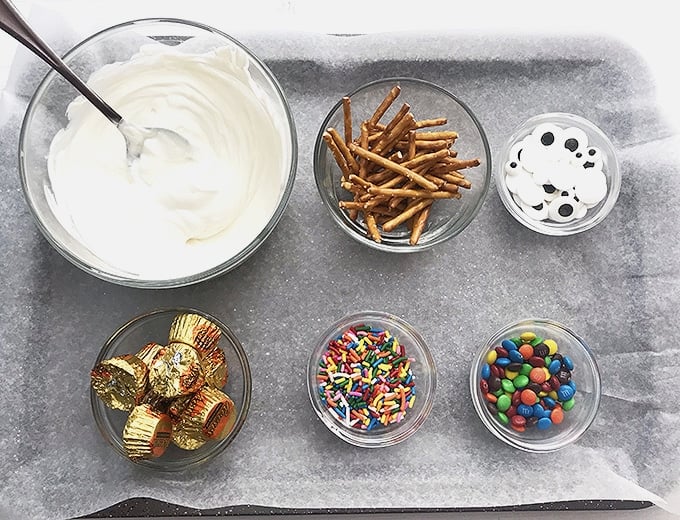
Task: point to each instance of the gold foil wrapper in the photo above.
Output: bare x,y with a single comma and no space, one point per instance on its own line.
187,439
176,370
147,433
149,353
195,330
177,406
120,382
215,368
210,414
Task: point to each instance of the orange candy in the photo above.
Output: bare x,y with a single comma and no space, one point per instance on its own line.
526,350
491,398
557,415
528,397
537,375
517,427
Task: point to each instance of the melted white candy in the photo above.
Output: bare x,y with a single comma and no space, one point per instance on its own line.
171,214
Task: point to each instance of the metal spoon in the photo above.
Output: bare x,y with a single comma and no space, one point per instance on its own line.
14,24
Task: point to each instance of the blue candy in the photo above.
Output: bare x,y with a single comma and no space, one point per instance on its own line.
543,423
549,402
525,410
503,362
554,366
568,363
508,345
486,371
572,385
515,356
546,413
565,392
538,410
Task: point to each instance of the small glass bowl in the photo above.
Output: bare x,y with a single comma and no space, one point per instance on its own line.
424,373
586,377
448,218
46,115
154,326
596,138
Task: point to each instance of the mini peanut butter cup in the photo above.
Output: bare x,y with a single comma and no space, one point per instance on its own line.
176,370
215,368
120,382
149,352
147,433
195,330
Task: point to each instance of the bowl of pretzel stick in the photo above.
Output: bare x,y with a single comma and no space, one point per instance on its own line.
402,164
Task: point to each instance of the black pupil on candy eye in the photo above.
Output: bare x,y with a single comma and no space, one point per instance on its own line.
549,188
565,210
548,138
538,207
571,144
513,165
591,152
519,155
588,164
565,193
579,155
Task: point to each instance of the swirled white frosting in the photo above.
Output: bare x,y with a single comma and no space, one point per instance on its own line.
172,214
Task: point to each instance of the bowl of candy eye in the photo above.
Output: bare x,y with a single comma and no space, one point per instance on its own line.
558,174
371,379
402,164
535,385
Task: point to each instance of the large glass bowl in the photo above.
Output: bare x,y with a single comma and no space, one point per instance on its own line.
154,326
448,218
46,114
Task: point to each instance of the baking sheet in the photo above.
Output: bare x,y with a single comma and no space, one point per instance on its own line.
616,285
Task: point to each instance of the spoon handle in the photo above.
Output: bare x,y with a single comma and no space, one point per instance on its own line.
14,24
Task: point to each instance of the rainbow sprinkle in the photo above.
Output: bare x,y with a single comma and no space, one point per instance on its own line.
365,378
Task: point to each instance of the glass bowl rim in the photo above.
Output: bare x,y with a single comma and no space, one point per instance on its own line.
494,427
573,227
222,268
374,438
98,409
335,212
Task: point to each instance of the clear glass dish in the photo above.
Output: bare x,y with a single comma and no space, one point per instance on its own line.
596,138
448,218
46,114
586,377
424,375
154,326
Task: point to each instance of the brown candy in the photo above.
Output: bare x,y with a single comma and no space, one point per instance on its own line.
196,331
147,433
175,371
120,382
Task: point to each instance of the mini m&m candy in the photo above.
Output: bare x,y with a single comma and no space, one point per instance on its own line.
527,383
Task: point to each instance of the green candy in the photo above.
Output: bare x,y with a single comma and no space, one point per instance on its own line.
536,341
517,341
526,368
503,403
507,385
567,405
503,418
498,392
520,381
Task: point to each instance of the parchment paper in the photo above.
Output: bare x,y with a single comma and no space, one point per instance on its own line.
616,285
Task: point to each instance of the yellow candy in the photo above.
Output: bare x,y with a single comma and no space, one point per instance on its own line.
553,395
552,346
509,374
491,357
542,393
547,373
527,336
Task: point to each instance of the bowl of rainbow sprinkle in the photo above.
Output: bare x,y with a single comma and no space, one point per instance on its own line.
371,379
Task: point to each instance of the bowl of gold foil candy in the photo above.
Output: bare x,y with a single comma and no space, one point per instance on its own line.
171,388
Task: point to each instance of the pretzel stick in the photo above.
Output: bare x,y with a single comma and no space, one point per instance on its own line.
411,145
443,185
396,200
398,132
384,105
437,136
424,123
418,225
347,118
342,146
363,142
372,227
425,144
395,167
339,158
414,208
462,163
411,194
424,158
463,183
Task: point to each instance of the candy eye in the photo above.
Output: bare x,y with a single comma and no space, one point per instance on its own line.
513,182
547,134
593,158
537,212
515,152
513,167
574,139
564,209
590,186
550,192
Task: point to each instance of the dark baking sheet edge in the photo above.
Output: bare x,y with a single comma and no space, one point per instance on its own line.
150,508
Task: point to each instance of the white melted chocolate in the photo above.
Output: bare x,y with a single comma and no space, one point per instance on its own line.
171,214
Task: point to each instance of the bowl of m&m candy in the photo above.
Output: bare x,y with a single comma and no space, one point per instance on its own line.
371,379
535,385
